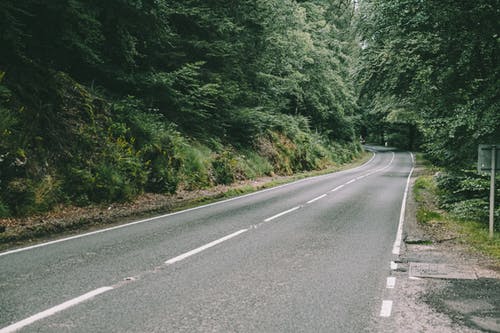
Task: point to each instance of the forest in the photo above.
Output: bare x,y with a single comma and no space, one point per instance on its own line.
101,101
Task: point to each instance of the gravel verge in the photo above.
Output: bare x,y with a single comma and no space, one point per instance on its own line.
444,305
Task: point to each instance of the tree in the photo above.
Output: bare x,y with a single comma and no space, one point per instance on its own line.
437,61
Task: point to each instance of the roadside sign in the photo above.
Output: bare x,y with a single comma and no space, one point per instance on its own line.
484,158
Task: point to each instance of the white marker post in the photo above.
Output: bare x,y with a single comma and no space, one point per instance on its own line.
488,162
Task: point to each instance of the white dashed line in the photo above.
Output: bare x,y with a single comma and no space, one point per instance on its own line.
204,247
386,309
391,282
49,312
394,266
351,181
75,301
316,199
281,214
337,188
22,249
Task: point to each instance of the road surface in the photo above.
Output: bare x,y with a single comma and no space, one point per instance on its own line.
310,256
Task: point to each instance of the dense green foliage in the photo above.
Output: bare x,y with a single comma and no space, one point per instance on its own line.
434,64
430,74
103,100
465,194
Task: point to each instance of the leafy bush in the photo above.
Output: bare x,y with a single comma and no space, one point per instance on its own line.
194,172
48,192
154,143
20,194
252,165
471,210
465,194
224,167
114,172
4,210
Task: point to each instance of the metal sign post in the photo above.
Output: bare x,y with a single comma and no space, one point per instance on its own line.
492,190
488,161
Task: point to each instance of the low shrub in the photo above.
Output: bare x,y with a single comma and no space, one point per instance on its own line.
48,192
20,196
194,171
465,194
472,210
4,210
252,165
225,167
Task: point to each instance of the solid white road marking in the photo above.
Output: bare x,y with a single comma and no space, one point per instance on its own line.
204,247
397,243
391,282
281,214
316,199
47,313
351,181
386,309
394,266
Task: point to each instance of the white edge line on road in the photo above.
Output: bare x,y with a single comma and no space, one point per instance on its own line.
204,247
175,213
49,312
317,198
391,282
281,214
386,309
397,243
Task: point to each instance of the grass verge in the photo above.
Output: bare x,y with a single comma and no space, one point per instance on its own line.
470,233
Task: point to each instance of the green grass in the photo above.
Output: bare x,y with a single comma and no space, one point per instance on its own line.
477,236
473,234
427,216
423,186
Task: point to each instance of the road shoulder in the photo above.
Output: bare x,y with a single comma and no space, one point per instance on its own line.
442,285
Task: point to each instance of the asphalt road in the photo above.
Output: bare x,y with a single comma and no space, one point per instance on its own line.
311,256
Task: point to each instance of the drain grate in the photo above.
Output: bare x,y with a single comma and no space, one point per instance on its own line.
441,271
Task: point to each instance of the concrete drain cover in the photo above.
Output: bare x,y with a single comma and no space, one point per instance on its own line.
441,271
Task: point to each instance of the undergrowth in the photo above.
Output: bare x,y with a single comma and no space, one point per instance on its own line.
470,221
104,150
